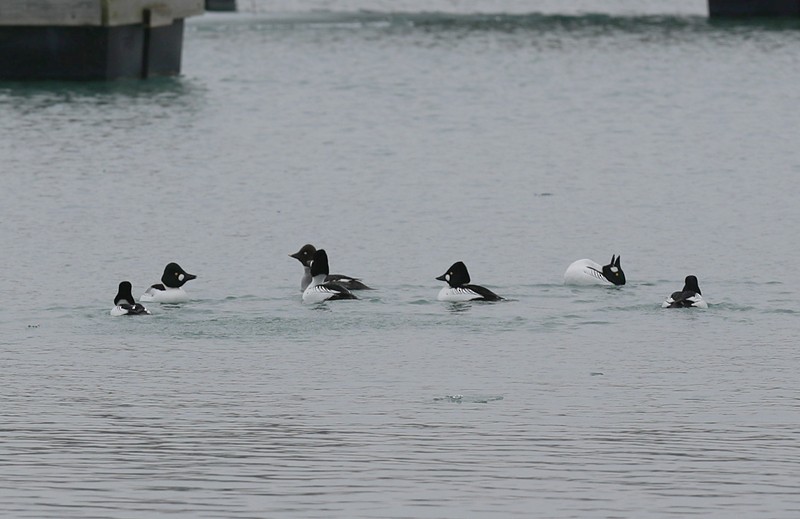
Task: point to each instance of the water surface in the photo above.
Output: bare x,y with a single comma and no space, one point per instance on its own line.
402,141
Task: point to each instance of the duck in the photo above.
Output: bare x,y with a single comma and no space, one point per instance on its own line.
306,254
588,272
458,288
124,303
689,297
319,289
170,290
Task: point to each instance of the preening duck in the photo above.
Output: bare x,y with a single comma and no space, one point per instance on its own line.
588,272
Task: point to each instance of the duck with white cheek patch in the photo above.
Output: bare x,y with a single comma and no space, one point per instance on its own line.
170,290
458,288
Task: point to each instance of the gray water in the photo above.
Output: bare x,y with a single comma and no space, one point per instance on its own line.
402,142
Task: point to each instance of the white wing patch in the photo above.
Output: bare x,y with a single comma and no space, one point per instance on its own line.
698,301
118,311
458,294
585,272
317,293
595,273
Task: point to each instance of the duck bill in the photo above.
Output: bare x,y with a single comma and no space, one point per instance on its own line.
189,277
442,277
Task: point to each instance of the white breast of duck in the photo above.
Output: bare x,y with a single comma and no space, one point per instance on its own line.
161,294
170,289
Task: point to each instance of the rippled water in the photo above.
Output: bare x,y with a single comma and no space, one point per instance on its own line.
401,143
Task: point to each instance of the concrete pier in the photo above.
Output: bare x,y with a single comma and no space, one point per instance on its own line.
92,39
220,5
751,8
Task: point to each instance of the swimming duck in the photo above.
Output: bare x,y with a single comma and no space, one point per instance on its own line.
306,254
459,289
689,297
124,303
319,289
170,290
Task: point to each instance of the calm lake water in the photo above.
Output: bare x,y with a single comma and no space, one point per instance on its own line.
401,141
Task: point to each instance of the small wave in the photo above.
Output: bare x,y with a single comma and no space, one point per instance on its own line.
595,22
468,399
788,311
589,25
422,302
486,20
